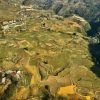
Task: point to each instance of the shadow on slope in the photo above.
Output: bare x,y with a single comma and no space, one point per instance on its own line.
95,26
94,48
95,52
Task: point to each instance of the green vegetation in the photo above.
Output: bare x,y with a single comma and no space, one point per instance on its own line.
50,53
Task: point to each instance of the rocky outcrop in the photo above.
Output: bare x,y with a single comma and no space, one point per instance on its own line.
87,9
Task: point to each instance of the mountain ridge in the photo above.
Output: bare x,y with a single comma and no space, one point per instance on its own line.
87,9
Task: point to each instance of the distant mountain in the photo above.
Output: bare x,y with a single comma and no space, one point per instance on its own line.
45,4
89,9
10,2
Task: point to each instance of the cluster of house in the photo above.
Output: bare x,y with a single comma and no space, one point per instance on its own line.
8,22
6,25
9,75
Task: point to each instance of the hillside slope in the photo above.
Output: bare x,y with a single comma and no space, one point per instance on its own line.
55,57
47,48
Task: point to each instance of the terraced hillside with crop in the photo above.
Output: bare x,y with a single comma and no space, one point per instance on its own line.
46,57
